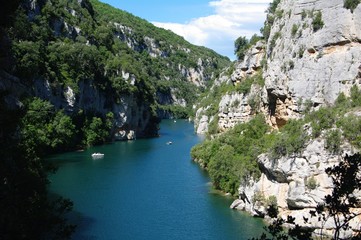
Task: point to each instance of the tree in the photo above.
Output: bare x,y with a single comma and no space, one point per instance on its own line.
346,180
26,210
240,47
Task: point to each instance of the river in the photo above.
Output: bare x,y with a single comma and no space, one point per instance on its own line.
146,189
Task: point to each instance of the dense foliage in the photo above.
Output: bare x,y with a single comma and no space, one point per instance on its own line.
26,211
242,44
69,46
163,71
232,156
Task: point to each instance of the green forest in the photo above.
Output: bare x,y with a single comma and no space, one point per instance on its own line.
79,45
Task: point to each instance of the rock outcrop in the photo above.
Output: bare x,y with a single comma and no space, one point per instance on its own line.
96,59
306,63
312,55
299,183
235,107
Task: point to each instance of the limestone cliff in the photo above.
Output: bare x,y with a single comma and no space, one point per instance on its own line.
312,54
86,56
235,107
313,65
305,63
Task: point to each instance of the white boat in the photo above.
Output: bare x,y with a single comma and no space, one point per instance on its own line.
97,155
169,143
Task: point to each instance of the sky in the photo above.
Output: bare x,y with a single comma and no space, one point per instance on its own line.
215,24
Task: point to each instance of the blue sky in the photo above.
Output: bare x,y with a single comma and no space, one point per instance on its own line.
215,24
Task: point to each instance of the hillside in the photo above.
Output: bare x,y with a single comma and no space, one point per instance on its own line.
76,73
89,57
287,111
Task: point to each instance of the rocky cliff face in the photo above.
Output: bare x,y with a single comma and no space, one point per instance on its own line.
235,107
305,63
92,58
308,63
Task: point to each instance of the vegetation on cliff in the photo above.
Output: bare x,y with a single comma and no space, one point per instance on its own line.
72,43
231,157
69,46
338,206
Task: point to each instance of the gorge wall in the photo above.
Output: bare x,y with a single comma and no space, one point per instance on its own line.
312,54
310,62
86,56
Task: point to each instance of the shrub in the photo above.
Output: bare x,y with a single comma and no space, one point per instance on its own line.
322,119
279,13
254,102
213,126
342,101
294,29
240,47
291,64
254,39
317,22
301,51
276,36
311,183
291,139
273,6
258,197
308,104
351,127
303,14
355,96
272,201
333,140
351,4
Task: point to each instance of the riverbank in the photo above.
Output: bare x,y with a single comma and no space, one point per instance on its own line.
119,196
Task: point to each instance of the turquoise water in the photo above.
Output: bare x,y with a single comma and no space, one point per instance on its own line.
146,189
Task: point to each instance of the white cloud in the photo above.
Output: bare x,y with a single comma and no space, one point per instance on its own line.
231,19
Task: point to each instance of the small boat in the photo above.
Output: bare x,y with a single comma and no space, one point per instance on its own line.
97,155
169,143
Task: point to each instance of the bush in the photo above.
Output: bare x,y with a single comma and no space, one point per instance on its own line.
351,4
342,101
258,197
290,140
322,119
333,141
311,183
254,39
294,30
240,47
351,127
303,14
276,36
355,96
213,126
317,22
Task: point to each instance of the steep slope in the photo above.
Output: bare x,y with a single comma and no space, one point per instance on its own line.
89,57
311,57
309,103
75,73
